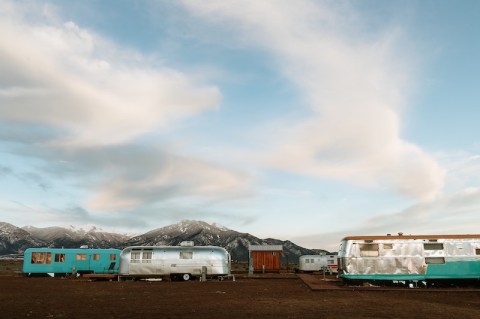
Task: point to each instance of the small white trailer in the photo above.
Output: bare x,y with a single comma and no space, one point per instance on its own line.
179,262
310,263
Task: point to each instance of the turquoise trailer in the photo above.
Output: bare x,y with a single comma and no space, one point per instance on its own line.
63,261
427,258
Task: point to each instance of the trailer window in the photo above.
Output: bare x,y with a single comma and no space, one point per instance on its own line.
369,250
147,257
434,260
436,246
135,257
59,258
113,257
41,258
81,257
477,251
387,246
331,261
186,255
307,261
96,256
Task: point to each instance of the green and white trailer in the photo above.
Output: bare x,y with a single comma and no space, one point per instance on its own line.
410,258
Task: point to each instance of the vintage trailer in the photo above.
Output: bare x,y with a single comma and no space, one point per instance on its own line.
179,262
410,258
309,263
62,261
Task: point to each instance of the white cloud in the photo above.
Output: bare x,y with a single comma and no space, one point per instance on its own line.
131,177
463,169
68,77
356,87
448,214
75,103
170,178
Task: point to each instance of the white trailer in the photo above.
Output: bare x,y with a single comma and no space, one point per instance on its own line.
179,262
310,263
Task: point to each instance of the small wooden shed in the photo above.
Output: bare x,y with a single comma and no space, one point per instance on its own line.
264,258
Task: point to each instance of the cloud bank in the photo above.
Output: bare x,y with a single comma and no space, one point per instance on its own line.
64,76
356,88
76,106
447,214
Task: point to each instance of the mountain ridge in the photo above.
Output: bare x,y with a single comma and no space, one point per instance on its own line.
14,240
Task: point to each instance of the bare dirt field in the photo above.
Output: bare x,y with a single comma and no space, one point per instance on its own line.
279,296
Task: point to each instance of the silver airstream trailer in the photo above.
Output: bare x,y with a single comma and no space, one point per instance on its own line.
429,258
310,263
179,262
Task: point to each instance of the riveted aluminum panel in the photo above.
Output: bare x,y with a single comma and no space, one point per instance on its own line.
410,255
166,260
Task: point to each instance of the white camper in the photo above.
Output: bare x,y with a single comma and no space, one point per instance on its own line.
310,263
179,262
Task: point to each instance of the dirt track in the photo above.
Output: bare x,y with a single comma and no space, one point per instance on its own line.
22,297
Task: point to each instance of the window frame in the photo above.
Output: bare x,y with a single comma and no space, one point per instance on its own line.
369,250
41,258
433,246
186,255
81,257
147,257
60,257
135,256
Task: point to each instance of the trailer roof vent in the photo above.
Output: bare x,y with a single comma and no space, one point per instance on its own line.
187,243
400,234
84,247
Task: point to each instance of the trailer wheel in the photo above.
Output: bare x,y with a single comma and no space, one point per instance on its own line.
186,277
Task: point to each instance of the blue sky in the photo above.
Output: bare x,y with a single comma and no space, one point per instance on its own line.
299,120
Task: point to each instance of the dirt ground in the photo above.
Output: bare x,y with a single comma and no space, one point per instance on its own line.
279,296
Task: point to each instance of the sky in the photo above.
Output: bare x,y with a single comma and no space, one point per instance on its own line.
298,120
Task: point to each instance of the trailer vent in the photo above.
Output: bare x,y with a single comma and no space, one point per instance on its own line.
187,243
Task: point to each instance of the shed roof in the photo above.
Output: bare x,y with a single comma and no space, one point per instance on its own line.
265,248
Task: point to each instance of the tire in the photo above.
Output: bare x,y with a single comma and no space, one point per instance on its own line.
186,277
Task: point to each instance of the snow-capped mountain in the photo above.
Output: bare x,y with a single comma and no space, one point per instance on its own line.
77,236
16,240
202,233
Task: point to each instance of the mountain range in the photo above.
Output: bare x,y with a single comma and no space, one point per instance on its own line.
14,240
